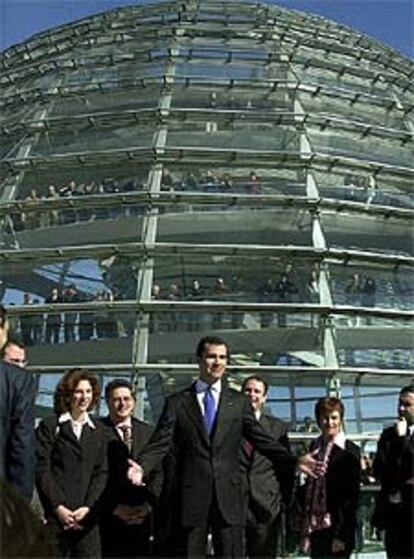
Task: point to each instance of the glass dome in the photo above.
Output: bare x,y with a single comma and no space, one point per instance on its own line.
184,168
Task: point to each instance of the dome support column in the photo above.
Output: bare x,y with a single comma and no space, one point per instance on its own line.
145,278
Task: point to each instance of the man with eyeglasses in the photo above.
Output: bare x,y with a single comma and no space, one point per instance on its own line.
127,511
14,352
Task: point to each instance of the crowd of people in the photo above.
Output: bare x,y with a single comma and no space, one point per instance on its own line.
205,181
34,217
285,285
216,464
69,326
77,325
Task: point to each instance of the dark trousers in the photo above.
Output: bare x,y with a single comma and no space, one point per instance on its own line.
52,333
75,543
321,545
262,539
121,540
399,537
228,540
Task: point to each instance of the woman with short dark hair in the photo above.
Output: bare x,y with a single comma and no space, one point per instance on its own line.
330,502
71,465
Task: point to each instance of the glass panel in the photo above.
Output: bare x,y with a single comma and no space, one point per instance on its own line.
109,276
351,231
250,279
358,111
236,226
89,139
343,142
375,342
228,180
238,135
267,340
207,70
360,186
107,101
368,286
107,178
343,81
35,218
60,328
234,99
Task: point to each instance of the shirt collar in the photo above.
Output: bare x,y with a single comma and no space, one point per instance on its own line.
340,440
202,386
86,421
125,423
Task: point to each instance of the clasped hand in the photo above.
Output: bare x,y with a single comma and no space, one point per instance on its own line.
135,473
71,519
132,514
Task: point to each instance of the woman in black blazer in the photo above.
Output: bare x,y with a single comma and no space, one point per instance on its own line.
330,502
71,466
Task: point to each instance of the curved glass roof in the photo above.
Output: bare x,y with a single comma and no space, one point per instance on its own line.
264,153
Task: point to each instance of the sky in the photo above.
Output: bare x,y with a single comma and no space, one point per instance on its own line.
390,21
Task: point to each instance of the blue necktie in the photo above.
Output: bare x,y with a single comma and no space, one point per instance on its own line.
209,409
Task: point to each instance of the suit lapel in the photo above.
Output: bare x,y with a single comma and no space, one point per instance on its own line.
138,439
224,411
69,435
192,408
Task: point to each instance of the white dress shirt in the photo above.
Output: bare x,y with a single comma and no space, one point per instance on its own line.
77,426
201,388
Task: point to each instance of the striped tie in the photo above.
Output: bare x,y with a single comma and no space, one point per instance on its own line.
126,436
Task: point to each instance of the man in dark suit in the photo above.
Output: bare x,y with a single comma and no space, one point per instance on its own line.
205,424
17,392
268,487
126,524
14,353
394,468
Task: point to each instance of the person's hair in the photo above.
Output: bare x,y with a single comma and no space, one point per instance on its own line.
257,378
22,533
409,389
117,383
210,340
67,386
11,340
327,405
3,316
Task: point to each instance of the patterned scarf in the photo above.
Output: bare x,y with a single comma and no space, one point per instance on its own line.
316,516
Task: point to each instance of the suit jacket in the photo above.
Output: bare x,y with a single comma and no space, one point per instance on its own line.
342,491
69,471
207,464
118,488
266,484
394,468
17,393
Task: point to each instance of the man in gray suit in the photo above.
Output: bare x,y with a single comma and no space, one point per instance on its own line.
268,487
205,425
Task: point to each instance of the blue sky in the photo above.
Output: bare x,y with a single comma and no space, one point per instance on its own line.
391,21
